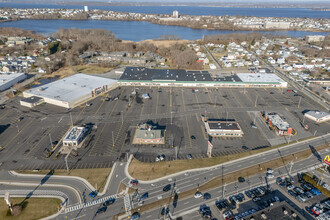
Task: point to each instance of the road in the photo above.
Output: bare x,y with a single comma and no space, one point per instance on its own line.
192,204
184,181
213,58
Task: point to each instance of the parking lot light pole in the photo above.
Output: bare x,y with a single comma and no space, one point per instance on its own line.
171,116
315,132
50,139
122,117
113,139
299,102
255,103
71,119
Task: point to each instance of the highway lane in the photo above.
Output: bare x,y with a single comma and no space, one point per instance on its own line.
192,204
192,179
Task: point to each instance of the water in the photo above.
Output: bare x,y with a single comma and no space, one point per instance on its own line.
133,30
190,10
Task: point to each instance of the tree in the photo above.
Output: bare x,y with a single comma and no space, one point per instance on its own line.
53,47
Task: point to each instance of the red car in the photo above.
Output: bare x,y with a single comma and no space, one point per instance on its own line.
134,182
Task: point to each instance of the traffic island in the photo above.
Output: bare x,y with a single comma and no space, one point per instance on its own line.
32,208
96,177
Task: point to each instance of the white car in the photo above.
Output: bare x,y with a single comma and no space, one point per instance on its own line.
325,185
269,170
198,195
270,176
157,158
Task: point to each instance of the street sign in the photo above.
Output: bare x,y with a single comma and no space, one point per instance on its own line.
326,160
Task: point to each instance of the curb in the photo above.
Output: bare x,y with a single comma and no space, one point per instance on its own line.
218,165
77,178
49,185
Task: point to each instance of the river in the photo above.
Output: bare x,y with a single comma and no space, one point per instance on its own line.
134,30
191,10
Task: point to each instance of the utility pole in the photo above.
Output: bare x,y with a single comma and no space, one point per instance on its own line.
289,139
170,97
171,117
291,165
51,142
299,102
176,152
113,139
255,116
66,161
304,119
255,103
224,191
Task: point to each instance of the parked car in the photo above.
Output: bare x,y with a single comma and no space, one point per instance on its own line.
315,191
204,208
292,193
290,187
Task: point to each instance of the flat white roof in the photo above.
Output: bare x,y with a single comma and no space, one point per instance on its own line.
278,121
7,77
260,77
74,134
318,114
70,88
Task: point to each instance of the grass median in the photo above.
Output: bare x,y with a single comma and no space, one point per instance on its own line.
233,176
96,177
149,171
32,208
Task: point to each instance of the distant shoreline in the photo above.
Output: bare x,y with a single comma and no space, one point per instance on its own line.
316,5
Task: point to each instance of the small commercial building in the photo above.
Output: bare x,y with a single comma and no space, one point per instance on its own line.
148,134
74,136
31,101
275,122
73,90
314,38
7,80
218,128
271,79
317,116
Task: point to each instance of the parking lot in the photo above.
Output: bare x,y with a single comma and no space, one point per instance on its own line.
178,109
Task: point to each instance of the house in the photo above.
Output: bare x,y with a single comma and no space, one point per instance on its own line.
280,60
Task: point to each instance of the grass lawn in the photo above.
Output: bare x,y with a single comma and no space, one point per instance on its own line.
95,177
33,208
87,68
149,171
